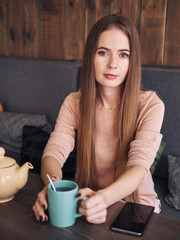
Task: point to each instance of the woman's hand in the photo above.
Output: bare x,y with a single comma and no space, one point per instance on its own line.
94,208
41,204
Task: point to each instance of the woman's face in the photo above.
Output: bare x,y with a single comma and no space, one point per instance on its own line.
111,60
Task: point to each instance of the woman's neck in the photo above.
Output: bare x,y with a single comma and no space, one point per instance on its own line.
109,97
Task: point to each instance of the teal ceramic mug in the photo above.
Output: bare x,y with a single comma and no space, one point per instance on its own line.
62,203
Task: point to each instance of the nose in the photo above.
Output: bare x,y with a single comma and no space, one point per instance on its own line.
112,62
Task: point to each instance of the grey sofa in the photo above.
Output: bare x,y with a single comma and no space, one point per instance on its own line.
40,86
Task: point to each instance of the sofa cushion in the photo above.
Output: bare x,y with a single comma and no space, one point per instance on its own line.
173,197
12,126
161,188
158,156
34,141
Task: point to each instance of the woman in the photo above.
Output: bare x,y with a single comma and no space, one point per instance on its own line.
118,125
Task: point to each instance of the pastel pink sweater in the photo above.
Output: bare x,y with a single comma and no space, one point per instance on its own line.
142,150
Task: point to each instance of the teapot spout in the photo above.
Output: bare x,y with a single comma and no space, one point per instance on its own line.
21,175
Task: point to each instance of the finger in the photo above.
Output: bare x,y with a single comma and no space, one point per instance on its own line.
41,205
42,198
39,212
97,220
99,207
96,198
54,178
99,217
85,192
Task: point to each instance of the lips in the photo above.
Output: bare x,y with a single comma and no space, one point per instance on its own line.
110,76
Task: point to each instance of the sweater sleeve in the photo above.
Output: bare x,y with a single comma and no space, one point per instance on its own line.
62,139
148,137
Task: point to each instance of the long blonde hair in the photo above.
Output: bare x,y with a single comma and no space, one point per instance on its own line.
128,109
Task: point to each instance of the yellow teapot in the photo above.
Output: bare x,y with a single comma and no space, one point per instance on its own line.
12,177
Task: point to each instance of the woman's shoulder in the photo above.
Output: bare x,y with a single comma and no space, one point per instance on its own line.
149,97
74,95
72,98
70,107
151,110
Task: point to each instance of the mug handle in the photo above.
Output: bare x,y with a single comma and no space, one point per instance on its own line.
77,214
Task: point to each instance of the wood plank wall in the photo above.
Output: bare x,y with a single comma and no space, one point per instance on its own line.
57,29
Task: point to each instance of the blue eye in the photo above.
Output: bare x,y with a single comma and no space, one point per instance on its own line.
102,53
124,55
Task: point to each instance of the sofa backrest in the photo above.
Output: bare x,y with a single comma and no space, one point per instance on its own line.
36,86
166,82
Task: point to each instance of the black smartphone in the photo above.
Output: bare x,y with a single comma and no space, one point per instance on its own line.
132,219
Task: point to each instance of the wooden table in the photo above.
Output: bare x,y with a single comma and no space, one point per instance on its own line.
17,221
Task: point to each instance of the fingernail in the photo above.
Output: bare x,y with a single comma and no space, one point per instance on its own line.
78,195
54,177
43,206
46,212
41,219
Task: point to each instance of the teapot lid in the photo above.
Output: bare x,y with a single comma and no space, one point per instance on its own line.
5,162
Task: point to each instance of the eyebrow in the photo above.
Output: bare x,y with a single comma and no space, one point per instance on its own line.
120,50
